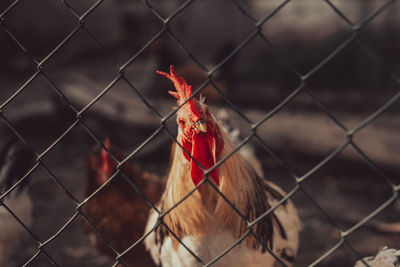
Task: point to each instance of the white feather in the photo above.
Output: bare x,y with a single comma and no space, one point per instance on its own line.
207,249
218,240
386,257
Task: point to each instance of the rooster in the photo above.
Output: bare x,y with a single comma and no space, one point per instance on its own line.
118,211
15,162
204,224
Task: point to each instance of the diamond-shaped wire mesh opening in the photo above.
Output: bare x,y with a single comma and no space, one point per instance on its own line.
372,142
318,225
265,76
342,252
52,24
374,83
79,7
258,10
129,27
218,20
291,74
357,15
166,9
319,135
297,36
43,184
80,46
21,66
34,101
358,176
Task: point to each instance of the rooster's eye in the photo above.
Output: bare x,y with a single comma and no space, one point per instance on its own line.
182,122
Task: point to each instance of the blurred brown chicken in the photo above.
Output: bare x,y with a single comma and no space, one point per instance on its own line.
118,211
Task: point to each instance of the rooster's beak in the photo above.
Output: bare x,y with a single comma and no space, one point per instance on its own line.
201,126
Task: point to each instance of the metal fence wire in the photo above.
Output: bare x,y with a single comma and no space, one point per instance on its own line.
166,30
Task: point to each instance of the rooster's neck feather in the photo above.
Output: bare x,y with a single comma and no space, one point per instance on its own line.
205,209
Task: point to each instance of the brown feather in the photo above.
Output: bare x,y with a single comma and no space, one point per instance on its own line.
239,184
118,211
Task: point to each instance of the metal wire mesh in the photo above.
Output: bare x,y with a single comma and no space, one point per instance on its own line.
257,24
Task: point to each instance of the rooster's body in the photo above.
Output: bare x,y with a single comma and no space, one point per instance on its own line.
117,211
204,222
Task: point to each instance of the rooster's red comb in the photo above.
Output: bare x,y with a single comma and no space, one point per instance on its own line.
183,90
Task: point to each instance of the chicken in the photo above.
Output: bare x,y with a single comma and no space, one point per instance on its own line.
386,257
118,211
204,222
15,161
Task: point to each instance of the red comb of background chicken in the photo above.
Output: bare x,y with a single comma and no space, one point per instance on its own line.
105,157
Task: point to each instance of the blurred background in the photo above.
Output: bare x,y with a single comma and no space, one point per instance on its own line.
311,52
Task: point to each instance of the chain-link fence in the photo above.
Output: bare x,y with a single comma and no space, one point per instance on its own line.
211,59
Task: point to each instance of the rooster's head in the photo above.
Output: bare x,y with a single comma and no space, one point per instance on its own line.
199,133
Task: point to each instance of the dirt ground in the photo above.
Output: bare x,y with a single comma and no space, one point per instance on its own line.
301,135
